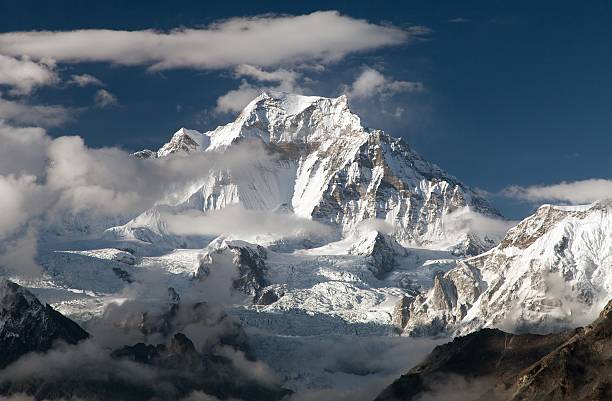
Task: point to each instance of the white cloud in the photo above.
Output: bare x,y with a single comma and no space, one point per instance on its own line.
20,113
459,20
39,174
15,193
24,75
264,41
585,191
46,181
105,99
419,31
237,222
22,151
236,99
465,219
279,75
357,368
371,82
85,80
19,255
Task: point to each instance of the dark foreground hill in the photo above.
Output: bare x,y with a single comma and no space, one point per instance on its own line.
46,356
491,365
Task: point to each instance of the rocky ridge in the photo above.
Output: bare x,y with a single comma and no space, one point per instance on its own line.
492,365
551,268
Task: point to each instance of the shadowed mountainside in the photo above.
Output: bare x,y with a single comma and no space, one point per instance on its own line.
493,365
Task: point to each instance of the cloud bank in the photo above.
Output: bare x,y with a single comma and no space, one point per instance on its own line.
61,184
246,224
585,191
264,41
465,219
83,80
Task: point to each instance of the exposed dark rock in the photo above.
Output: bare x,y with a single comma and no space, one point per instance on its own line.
575,365
381,250
269,295
145,154
401,313
251,268
212,374
123,275
141,372
26,325
249,260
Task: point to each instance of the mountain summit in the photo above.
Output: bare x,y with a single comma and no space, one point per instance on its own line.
550,271
333,170
26,325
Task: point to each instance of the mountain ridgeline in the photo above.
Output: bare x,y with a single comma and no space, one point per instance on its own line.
496,366
331,169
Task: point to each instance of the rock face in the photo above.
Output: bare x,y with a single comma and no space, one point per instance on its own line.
248,260
330,168
212,374
143,372
580,369
26,325
183,141
550,271
380,248
493,365
156,321
173,370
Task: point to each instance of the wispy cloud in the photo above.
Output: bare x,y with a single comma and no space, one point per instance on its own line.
85,80
278,80
24,114
245,224
459,20
372,82
585,191
105,99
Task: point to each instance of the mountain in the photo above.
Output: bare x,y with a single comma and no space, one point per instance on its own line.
248,260
388,220
551,271
496,366
184,140
85,370
329,168
26,325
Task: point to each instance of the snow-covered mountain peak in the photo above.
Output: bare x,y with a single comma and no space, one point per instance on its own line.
283,118
551,270
11,293
27,325
333,170
290,103
546,218
185,140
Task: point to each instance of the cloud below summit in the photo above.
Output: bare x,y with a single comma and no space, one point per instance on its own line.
585,191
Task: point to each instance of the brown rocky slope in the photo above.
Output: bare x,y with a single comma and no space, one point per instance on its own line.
492,365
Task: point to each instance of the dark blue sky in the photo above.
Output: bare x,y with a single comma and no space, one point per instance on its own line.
517,93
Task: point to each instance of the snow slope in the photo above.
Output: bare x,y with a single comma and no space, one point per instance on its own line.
332,169
552,270
395,259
